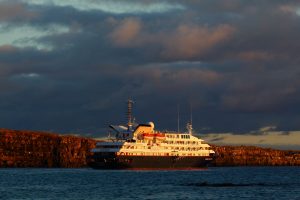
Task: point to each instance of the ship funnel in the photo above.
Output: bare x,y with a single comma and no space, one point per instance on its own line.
189,128
189,125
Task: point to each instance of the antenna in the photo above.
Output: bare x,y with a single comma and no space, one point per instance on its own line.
178,118
191,114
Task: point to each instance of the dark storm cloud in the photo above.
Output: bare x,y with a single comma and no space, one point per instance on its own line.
70,66
14,11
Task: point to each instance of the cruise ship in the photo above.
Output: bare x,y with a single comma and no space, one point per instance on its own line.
140,146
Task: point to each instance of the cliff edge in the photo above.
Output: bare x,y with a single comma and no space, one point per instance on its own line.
40,149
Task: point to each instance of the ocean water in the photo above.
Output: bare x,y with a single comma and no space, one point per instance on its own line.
212,183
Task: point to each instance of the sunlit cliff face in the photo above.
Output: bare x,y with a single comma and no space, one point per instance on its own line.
70,66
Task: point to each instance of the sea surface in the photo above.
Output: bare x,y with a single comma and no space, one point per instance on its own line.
212,183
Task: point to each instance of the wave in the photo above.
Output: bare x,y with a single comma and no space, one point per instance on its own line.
206,184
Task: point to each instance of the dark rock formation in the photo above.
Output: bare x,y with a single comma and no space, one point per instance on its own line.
255,156
38,149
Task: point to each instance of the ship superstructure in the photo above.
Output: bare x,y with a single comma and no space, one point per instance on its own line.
141,146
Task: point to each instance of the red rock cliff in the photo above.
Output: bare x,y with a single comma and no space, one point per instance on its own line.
38,149
255,156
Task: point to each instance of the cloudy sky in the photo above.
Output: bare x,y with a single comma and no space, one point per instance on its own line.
69,66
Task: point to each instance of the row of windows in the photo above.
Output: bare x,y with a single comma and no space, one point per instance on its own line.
171,148
187,149
161,154
172,136
178,136
185,136
148,147
183,142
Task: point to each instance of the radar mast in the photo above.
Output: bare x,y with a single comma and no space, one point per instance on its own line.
129,115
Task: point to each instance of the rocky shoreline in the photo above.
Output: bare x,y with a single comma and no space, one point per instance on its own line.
255,156
49,150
